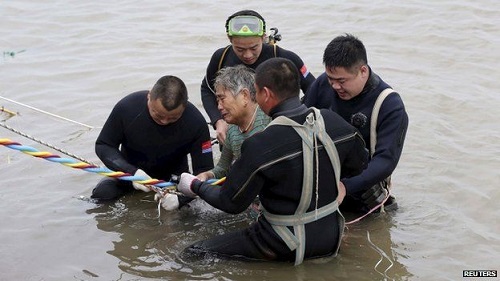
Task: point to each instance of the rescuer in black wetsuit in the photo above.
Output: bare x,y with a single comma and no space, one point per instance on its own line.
151,133
246,31
280,165
350,88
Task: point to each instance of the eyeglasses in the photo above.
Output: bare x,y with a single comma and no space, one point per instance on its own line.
245,26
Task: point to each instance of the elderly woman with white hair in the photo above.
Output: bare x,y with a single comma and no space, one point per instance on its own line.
235,92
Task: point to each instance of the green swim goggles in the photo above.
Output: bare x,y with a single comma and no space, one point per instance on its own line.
245,26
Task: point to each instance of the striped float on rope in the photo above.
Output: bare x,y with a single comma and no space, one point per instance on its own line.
155,184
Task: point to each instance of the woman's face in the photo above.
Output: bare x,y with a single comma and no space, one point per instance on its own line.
232,107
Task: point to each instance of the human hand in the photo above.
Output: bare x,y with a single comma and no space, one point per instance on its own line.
375,195
138,186
205,176
220,130
184,185
342,192
168,201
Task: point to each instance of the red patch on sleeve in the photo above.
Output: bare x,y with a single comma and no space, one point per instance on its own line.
304,70
206,147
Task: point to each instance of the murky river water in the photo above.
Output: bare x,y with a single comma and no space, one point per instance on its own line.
76,59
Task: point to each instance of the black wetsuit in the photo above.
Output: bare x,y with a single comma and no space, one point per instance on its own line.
271,166
392,124
231,59
131,140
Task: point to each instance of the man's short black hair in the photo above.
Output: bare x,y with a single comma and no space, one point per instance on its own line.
345,51
172,92
279,75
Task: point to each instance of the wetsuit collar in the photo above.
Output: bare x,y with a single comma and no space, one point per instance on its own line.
288,107
371,83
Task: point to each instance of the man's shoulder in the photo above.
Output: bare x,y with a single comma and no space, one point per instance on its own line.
322,77
382,85
287,54
320,94
330,115
136,95
133,99
392,101
193,113
220,52
334,120
192,109
322,81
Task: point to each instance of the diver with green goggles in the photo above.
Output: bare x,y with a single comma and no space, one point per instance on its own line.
251,25
250,46
245,26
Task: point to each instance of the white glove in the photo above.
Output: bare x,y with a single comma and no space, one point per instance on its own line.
138,186
184,185
169,202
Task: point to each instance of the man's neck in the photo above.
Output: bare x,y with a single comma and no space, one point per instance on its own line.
288,107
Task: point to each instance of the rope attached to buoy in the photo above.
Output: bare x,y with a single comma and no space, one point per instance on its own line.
44,143
157,185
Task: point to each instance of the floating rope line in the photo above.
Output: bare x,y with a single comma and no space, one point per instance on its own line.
44,143
159,186
382,256
381,206
48,113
